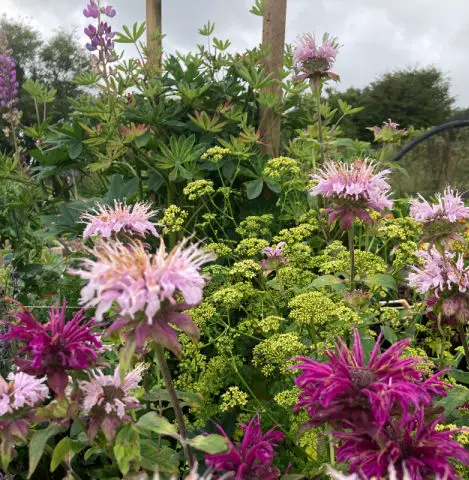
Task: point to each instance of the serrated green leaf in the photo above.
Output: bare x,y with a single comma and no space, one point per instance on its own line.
152,422
163,459
37,444
127,449
212,444
456,397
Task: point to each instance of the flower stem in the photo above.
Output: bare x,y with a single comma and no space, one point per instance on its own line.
317,91
165,373
351,246
463,338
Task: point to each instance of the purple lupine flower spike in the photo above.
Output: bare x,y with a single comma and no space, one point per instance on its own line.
8,83
252,458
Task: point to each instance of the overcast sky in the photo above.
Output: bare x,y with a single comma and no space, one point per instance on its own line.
377,35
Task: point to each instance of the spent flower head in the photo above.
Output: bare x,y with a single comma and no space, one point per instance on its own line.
252,458
54,348
353,189
121,218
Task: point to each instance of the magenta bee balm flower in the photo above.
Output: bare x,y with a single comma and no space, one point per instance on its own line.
250,459
106,398
411,446
313,60
55,347
121,218
353,189
150,290
346,391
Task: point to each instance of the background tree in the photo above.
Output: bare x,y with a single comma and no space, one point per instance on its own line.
54,63
417,97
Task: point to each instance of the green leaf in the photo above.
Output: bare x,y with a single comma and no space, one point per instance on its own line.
163,459
382,280
456,397
59,453
212,444
92,451
293,476
152,422
254,188
142,140
127,449
37,444
325,281
74,150
275,187
459,376
125,356
389,334
161,394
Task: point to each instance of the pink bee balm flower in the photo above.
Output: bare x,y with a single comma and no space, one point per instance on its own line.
346,391
353,188
448,208
275,257
409,445
315,61
151,290
440,274
22,391
55,347
252,458
446,279
106,398
122,218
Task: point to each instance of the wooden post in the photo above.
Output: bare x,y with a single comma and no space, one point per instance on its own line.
154,29
273,35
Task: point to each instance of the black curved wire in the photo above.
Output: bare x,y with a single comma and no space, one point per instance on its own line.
430,133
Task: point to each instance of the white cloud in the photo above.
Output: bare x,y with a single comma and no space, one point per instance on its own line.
377,35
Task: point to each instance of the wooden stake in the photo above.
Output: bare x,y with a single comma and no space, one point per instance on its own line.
154,30
273,36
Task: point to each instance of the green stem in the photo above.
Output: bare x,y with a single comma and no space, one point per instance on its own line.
351,246
463,338
318,108
166,374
